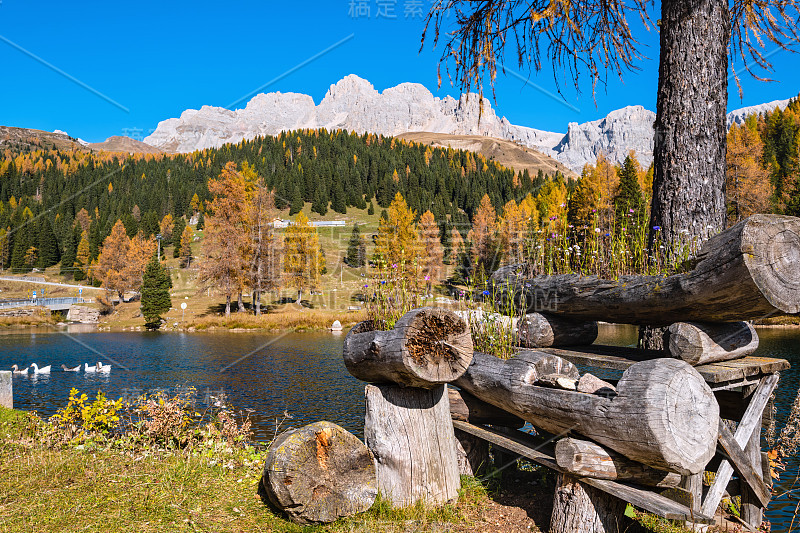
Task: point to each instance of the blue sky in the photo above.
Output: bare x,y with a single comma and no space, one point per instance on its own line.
155,59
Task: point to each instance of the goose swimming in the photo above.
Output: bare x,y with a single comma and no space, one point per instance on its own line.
43,370
65,368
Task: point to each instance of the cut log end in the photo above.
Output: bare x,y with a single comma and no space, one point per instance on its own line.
438,341
319,473
427,348
771,248
684,422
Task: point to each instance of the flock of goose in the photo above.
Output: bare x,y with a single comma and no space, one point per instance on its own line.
99,368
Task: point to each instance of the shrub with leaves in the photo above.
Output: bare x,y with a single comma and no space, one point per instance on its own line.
79,420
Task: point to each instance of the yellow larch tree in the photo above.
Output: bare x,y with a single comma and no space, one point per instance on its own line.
432,254
303,259
397,245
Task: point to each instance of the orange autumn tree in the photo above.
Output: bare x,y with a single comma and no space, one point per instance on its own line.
747,185
225,264
483,235
122,260
432,254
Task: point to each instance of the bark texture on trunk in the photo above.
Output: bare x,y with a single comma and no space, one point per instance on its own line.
690,128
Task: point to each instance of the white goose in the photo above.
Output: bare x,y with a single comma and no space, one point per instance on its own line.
15,369
37,370
105,369
65,368
89,369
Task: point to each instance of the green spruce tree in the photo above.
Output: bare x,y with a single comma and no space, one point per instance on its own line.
155,293
629,205
177,231
47,244
356,249
201,222
297,202
69,254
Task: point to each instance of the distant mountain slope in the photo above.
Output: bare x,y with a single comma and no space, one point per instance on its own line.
353,104
124,144
507,153
24,139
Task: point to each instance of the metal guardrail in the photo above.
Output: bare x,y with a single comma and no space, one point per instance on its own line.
40,302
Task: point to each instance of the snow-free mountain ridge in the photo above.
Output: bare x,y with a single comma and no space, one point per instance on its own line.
353,104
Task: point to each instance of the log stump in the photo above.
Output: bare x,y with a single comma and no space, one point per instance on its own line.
427,348
579,508
472,454
410,433
319,473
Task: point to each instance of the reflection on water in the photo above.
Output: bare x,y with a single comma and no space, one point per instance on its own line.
301,373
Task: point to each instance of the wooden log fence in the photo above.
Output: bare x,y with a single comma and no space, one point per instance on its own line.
656,429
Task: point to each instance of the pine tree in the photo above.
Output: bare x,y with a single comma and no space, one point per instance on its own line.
320,204
47,244
338,198
177,233
69,255
371,209
297,202
629,208
201,222
356,249
155,293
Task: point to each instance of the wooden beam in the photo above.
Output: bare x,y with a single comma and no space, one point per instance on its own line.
742,465
541,453
751,419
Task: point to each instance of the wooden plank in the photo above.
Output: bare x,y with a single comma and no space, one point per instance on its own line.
751,419
741,463
538,453
621,357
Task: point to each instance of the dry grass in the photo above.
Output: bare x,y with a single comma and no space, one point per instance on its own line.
308,319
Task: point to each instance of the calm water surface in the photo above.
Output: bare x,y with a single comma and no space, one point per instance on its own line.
300,373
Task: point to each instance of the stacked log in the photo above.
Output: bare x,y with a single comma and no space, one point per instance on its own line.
700,343
663,414
428,347
407,424
746,272
542,330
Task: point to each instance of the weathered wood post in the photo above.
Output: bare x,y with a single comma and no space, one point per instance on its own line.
6,390
410,433
407,424
579,508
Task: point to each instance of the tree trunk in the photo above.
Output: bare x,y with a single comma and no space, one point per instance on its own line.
664,415
240,303
579,508
411,435
319,473
228,306
427,347
690,128
746,272
698,343
257,302
587,459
